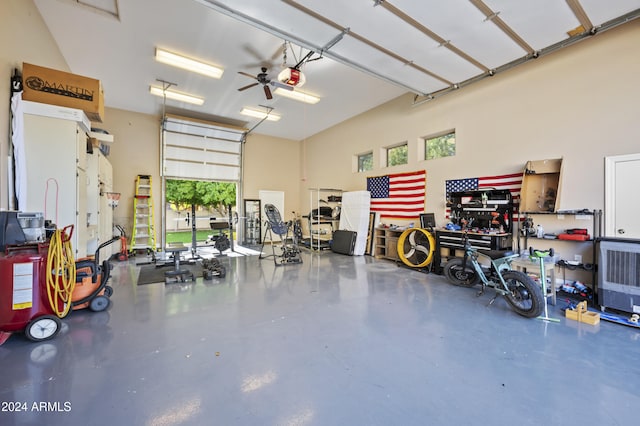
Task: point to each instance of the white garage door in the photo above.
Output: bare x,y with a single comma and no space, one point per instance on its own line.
201,150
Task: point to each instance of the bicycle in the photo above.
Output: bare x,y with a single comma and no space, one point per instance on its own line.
522,293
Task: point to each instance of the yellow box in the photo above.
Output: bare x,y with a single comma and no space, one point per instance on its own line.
61,88
582,314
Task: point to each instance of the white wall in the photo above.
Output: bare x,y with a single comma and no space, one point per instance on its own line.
23,38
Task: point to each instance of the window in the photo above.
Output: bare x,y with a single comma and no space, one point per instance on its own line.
440,146
365,162
397,155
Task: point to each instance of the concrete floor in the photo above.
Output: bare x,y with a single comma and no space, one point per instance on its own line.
337,340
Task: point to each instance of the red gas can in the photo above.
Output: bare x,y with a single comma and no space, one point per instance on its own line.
24,302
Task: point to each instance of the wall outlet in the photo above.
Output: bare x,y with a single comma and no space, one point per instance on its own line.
577,258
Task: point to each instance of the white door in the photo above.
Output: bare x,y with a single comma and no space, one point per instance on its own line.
622,174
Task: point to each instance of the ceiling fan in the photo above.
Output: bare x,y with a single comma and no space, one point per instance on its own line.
263,78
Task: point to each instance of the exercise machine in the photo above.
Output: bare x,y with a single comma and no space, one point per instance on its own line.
287,240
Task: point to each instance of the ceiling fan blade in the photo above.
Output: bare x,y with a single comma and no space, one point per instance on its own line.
267,92
247,75
281,85
247,86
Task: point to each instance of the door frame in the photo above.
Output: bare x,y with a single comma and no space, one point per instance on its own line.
610,184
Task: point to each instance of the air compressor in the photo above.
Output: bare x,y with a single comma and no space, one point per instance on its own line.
40,282
27,303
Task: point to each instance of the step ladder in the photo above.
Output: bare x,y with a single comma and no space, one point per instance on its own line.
144,234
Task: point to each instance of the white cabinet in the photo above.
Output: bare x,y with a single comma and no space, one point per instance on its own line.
62,180
98,211
55,184
105,211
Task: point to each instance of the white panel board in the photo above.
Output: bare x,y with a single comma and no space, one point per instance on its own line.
354,216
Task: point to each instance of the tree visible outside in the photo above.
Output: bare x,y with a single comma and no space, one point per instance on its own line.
365,162
440,146
212,195
398,155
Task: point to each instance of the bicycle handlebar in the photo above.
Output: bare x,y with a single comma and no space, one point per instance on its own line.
540,253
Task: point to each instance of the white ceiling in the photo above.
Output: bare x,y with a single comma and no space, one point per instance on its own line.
382,49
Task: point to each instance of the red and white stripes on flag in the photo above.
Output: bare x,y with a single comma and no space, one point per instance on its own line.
400,195
512,182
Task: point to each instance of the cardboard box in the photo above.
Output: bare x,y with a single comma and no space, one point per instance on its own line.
61,88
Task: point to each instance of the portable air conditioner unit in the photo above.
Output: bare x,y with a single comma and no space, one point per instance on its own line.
619,274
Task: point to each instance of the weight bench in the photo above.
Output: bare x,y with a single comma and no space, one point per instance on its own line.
177,274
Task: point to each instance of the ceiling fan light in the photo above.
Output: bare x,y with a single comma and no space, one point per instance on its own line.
292,77
188,64
298,96
176,96
260,114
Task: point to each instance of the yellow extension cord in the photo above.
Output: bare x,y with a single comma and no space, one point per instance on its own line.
61,273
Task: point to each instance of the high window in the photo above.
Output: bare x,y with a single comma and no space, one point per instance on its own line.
440,146
397,155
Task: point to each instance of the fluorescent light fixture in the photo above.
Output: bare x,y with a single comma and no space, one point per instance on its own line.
260,114
297,95
187,63
176,96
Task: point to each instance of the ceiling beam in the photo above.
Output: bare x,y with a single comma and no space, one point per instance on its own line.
582,16
493,17
280,33
426,31
364,40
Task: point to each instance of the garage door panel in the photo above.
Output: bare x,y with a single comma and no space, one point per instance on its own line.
199,142
207,157
199,171
201,155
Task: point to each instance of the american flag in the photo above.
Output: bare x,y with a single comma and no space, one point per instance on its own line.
400,195
512,182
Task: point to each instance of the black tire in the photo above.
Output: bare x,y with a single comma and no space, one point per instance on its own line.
99,303
461,276
108,291
526,297
43,328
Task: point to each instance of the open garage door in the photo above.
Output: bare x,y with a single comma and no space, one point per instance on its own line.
200,150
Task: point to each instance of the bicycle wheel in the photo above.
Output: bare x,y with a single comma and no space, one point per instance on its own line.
416,247
457,274
525,297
